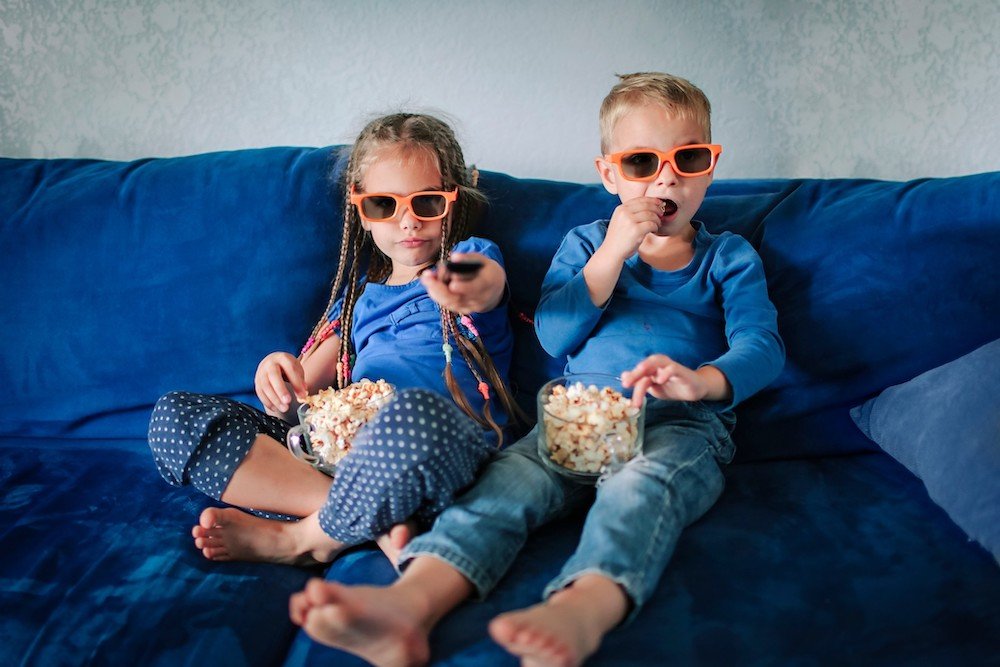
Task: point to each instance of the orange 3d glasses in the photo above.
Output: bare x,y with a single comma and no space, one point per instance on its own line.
426,206
645,164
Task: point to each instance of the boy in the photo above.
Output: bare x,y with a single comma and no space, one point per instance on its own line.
648,290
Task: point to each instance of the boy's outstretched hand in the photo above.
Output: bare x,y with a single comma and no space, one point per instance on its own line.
478,292
664,378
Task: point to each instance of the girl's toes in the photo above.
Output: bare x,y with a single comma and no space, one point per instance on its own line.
210,517
215,553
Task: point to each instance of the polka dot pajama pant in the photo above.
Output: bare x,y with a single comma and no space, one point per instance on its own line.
408,463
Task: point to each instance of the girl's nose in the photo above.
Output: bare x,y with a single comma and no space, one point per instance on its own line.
407,221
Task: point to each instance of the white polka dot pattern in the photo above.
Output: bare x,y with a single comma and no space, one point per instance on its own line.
408,462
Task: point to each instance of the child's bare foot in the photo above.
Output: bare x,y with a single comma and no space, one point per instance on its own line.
231,534
393,542
376,624
566,629
545,635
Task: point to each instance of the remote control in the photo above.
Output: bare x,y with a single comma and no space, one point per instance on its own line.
466,270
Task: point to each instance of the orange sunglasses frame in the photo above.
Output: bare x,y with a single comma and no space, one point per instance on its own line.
403,201
665,158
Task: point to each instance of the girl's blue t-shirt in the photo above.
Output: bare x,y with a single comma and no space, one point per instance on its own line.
397,337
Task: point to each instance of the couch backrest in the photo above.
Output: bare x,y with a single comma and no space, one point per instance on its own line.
874,282
126,280
123,280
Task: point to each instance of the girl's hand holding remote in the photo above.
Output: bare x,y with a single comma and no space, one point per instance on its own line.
466,291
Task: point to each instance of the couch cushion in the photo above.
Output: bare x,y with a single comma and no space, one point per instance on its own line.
944,426
843,560
839,561
874,282
125,280
135,278
98,567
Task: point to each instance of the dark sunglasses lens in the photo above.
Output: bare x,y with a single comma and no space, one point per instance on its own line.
640,165
429,206
378,208
693,160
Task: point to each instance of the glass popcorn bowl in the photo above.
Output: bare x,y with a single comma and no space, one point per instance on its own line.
587,426
325,430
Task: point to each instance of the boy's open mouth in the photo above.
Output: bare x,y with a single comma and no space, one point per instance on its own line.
669,207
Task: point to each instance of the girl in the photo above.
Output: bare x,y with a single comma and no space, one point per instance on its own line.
409,205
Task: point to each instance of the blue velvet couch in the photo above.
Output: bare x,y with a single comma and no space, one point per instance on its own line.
121,281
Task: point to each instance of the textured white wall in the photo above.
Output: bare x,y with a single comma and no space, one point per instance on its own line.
851,88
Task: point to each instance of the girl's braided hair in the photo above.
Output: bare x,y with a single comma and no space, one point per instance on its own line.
408,131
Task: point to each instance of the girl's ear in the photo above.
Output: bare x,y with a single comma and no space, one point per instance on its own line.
609,176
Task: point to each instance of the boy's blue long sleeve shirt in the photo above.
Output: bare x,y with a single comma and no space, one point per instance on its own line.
715,311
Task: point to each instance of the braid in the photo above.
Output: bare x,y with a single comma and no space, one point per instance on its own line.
345,243
352,292
478,352
473,352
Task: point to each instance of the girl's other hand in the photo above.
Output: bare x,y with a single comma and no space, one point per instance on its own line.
275,373
479,293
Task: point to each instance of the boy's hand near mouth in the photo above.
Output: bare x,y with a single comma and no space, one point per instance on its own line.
630,224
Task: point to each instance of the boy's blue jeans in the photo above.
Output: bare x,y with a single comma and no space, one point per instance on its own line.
632,527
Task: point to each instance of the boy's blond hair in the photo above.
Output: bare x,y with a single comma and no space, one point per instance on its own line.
679,96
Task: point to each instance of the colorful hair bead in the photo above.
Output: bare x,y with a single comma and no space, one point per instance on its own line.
309,344
468,324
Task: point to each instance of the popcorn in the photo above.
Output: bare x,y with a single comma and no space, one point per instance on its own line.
337,414
583,423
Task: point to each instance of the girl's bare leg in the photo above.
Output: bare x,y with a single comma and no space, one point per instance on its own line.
567,628
269,478
387,626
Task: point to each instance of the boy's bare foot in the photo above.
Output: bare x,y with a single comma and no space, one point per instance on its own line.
393,542
376,624
566,629
545,635
231,534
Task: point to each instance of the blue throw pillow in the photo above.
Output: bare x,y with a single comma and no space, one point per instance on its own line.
944,425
